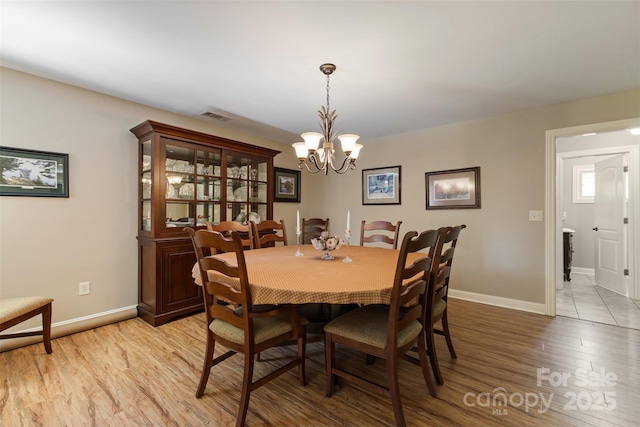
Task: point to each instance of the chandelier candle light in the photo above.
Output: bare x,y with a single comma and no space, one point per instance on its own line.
321,159
347,235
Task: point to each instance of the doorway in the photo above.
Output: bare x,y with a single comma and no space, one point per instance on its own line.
573,139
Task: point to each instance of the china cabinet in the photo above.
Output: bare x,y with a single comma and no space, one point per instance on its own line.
187,178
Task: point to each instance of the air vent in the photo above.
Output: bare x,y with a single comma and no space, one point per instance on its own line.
216,116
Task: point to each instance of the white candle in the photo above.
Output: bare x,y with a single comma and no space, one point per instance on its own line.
297,220
348,220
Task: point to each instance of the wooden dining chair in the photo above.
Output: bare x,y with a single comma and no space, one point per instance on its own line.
312,227
14,311
437,295
380,231
242,329
268,232
388,331
245,231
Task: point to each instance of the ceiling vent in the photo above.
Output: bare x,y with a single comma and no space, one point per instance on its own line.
216,116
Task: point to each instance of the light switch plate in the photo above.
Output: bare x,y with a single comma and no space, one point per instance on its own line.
535,215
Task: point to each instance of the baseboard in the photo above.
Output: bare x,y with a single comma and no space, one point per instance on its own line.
72,326
514,304
581,270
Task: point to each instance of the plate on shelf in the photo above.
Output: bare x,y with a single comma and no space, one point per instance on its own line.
254,216
240,194
186,190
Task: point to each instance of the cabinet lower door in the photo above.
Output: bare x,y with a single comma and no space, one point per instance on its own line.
167,289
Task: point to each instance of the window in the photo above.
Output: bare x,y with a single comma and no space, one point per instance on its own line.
584,183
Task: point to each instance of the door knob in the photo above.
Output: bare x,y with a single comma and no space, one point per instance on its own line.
595,228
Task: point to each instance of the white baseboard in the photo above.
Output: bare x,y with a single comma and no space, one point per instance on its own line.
514,304
72,326
582,270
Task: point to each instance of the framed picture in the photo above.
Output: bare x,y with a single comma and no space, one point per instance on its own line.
33,173
287,185
381,186
453,189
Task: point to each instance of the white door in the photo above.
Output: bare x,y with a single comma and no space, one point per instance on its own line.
608,224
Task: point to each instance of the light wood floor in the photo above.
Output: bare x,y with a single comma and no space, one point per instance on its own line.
131,374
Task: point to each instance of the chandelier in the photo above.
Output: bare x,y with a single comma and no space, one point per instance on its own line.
321,159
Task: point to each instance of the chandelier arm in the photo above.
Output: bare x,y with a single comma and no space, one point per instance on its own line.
303,163
347,164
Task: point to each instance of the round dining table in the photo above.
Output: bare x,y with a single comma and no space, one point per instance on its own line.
277,276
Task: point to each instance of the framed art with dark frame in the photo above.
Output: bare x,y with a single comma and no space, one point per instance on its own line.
453,189
381,186
33,173
287,185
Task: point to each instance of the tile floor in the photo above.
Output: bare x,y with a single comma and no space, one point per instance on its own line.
582,299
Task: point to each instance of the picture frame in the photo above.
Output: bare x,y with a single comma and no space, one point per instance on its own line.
36,173
453,189
382,186
286,185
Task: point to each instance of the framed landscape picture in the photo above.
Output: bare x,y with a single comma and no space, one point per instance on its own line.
287,185
33,173
381,186
453,189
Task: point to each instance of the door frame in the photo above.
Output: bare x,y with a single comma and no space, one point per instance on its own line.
553,235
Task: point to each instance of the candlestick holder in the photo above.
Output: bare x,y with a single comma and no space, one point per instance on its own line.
347,235
298,233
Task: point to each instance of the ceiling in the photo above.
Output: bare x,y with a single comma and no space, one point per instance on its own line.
401,66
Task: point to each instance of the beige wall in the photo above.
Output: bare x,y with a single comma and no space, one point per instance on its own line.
48,246
501,253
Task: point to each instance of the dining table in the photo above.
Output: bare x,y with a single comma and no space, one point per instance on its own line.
277,276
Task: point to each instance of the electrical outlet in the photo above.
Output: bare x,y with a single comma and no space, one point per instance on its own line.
84,288
535,215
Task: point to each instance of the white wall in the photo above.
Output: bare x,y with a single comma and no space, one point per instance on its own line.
48,246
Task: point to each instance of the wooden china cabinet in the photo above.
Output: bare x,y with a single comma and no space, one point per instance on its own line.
186,178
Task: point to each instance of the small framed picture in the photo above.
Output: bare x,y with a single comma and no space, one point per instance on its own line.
381,186
33,173
453,189
287,185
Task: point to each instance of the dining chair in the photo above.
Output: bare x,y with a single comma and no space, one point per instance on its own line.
241,329
17,310
380,231
245,230
388,331
312,227
268,233
437,295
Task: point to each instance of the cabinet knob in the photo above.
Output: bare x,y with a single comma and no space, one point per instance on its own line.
595,228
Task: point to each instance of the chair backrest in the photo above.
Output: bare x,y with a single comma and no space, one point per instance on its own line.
245,231
312,227
380,231
411,282
268,232
441,268
220,289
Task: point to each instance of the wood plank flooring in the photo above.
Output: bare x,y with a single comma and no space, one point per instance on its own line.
131,374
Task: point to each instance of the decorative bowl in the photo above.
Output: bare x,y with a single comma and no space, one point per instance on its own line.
326,244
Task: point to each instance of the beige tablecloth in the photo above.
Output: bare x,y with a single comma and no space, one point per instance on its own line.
277,276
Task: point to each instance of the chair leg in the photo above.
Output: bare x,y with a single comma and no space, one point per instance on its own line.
329,350
302,345
394,389
46,328
424,364
447,335
208,363
247,383
431,351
